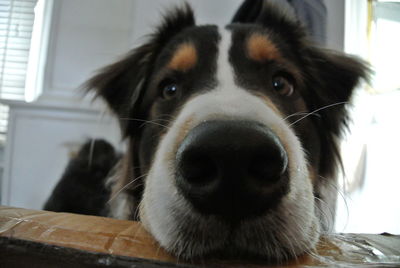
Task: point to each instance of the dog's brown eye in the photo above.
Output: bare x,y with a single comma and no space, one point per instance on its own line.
170,91
282,86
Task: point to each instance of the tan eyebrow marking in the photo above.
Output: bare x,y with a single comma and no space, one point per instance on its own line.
260,48
184,58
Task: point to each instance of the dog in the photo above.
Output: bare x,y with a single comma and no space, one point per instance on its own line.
232,135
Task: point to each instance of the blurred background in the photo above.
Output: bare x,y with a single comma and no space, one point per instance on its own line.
48,48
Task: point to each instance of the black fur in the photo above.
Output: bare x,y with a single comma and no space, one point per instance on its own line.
82,187
248,12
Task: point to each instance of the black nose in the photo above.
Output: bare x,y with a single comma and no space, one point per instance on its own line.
234,169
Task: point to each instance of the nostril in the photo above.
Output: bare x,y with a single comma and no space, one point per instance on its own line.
268,167
197,167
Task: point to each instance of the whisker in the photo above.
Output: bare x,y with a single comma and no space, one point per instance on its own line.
317,110
299,113
136,212
341,194
91,151
146,121
345,199
136,234
125,186
161,119
326,214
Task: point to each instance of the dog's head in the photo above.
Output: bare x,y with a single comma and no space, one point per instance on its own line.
231,130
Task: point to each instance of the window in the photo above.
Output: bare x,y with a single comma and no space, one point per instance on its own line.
369,199
16,25
385,44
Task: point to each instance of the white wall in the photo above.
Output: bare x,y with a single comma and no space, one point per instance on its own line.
370,202
85,35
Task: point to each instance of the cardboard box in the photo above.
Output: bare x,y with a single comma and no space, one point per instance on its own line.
31,238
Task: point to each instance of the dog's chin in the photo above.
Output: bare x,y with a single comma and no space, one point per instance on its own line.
279,235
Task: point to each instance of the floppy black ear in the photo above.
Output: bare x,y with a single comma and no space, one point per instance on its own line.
331,79
122,84
338,76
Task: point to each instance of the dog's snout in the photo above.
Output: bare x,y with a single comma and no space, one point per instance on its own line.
234,169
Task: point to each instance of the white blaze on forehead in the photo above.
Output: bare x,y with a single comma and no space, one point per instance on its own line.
225,73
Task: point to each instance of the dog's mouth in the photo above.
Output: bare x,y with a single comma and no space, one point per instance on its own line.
237,241
273,237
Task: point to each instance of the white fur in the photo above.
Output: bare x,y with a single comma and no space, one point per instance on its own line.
287,231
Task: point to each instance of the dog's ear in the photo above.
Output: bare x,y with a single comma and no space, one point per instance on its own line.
122,84
331,79
280,17
334,79
248,12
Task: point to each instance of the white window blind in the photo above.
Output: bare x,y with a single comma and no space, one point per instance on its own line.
16,24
